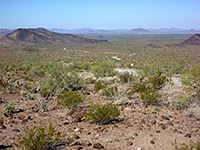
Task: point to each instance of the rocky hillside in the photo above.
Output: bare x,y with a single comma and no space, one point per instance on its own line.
42,37
194,40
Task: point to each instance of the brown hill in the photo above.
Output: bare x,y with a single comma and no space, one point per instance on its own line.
43,36
194,40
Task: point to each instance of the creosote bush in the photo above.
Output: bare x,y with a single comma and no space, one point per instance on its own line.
102,113
192,146
3,83
39,138
110,91
126,77
149,88
192,79
98,85
70,99
8,109
104,68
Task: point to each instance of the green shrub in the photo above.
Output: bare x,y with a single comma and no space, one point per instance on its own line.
85,66
98,85
50,85
104,68
110,91
70,98
158,79
149,88
8,109
150,96
192,79
73,82
180,101
102,114
38,138
126,77
192,146
3,83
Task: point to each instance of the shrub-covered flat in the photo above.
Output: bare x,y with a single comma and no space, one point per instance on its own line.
74,96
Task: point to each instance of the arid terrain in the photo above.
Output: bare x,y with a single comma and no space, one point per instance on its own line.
43,36
152,80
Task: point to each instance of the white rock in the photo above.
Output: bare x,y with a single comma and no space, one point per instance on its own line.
76,130
116,58
130,71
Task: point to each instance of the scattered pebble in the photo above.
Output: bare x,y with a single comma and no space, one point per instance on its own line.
98,146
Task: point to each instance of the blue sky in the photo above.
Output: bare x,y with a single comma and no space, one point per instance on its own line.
100,14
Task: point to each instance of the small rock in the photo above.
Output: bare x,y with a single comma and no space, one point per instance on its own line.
165,118
98,146
11,121
5,146
20,110
117,140
154,139
86,143
163,126
109,141
135,134
2,126
189,135
77,129
66,122
16,130
76,143
1,102
152,142
170,123
77,137
157,131
129,143
153,122
97,135
24,117
27,117
139,148
1,121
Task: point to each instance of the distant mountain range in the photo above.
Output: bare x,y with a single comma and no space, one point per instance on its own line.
128,31
118,31
42,36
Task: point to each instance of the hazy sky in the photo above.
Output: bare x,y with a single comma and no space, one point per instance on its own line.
100,14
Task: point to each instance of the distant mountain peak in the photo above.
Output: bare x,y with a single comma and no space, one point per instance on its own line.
194,40
43,36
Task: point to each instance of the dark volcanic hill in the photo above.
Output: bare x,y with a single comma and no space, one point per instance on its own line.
194,40
42,37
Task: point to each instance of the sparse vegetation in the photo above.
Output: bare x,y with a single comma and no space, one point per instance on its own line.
192,78
70,99
111,92
39,138
192,146
9,109
55,76
149,88
98,85
104,68
126,77
102,113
